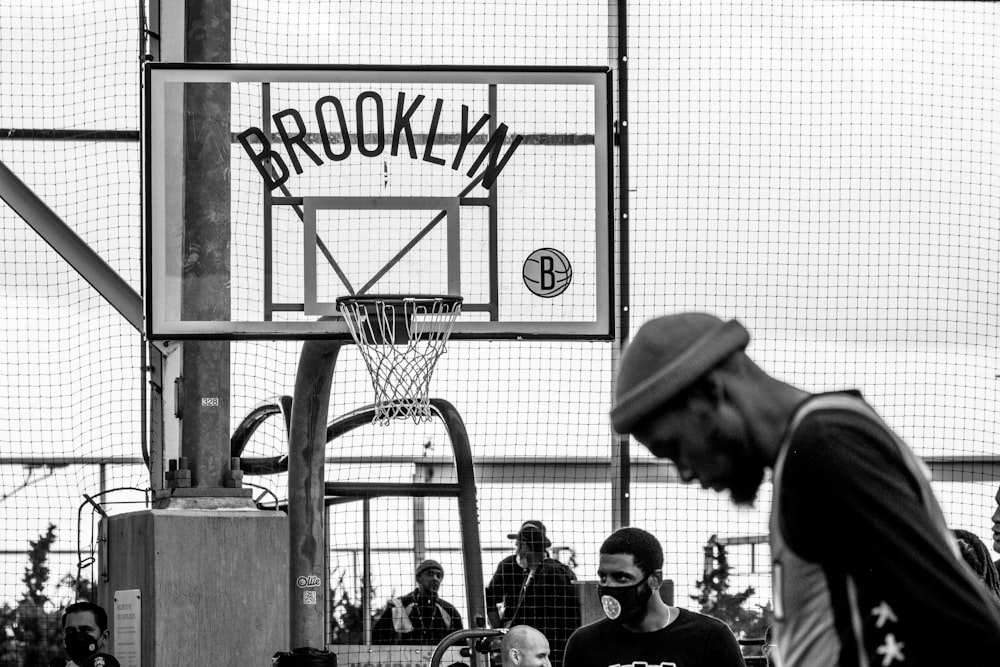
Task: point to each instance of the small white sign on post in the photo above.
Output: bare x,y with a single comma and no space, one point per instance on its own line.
127,637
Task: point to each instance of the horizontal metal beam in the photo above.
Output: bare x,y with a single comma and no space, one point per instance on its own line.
32,133
964,469
42,461
519,469
742,539
647,470
382,489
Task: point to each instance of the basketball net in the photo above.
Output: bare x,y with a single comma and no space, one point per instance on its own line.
400,338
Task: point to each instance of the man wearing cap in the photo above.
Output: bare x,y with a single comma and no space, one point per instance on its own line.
535,590
420,617
865,570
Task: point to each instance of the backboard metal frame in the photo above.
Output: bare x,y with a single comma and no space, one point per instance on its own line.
447,205
161,124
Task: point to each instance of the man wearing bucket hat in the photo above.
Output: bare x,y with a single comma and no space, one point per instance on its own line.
865,570
535,590
421,617
640,628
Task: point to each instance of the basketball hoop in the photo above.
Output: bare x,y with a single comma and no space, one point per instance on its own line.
401,339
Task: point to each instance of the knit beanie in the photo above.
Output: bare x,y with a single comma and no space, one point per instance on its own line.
667,355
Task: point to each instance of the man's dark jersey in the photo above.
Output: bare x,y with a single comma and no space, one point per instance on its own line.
865,569
692,640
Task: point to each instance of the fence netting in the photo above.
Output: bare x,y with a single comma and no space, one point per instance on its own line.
824,171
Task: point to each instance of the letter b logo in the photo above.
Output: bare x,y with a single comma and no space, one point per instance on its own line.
547,272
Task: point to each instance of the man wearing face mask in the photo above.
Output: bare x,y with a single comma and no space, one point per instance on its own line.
640,628
535,590
85,632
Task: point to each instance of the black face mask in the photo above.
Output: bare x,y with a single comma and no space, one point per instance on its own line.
79,646
625,604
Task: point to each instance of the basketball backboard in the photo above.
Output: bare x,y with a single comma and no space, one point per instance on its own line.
490,183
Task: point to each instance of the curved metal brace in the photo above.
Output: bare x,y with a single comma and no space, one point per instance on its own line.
468,509
306,509
308,490
280,405
269,465
461,636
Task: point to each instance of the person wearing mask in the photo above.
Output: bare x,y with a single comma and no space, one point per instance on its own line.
640,628
85,632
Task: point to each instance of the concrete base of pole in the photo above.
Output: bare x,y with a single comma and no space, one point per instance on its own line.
204,498
212,584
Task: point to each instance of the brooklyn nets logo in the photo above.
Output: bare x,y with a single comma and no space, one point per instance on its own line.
547,272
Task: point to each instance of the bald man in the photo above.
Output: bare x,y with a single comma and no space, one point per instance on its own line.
865,569
523,646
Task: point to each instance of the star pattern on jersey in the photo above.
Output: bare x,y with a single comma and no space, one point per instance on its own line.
883,613
891,650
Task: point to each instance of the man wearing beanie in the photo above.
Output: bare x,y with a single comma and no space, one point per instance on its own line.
421,617
865,570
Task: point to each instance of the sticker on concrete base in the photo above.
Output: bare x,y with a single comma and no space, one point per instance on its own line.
308,597
127,628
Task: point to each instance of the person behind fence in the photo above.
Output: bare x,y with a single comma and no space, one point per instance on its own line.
977,555
640,628
85,632
864,567
524,646
534,589
420,617
996,529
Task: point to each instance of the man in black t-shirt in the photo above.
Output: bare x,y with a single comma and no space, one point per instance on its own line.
640,628
535,590
864,567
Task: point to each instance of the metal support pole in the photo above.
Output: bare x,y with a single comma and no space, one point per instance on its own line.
621,481
306,494
206,245
366,560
